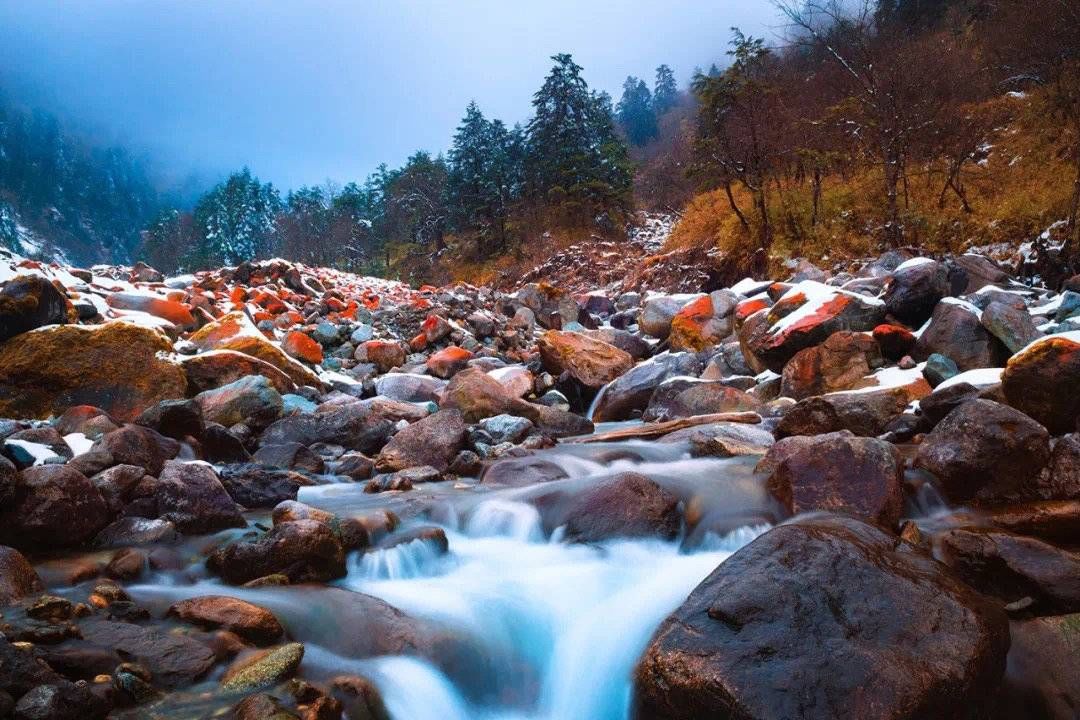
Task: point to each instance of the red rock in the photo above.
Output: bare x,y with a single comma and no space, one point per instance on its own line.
176,313
384,354
694,327
445,363
249,621
302,347
591,362
1043,381
895,341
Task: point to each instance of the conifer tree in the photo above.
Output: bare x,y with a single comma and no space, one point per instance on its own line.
635,112
665,91
235,220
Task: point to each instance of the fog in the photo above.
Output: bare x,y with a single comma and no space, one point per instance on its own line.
303,92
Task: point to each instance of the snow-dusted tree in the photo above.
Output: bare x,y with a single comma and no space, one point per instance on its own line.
9,231
168,240
665,91
303,229
635,112
575,162
236,220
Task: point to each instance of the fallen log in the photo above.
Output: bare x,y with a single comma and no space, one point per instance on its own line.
654,430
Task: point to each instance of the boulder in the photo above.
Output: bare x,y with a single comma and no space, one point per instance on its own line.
955,331
173,660
213,369
895,341
290,456
17,576
178,419
301,346
478,395
234,331
986,453
1011,325
21,669
630,392
139,446
590,362
191,496
1061,479
806,315
28,302
62,700
552,306
354,426
411,387
684,397
698,324
383,354
175,312
55,506
825,617
1042,380
251,400
433,441
976,272
658,312
626,505
302,550
447,362
839,363
251,622
1042,682
1013,568
863,413
263,670
915,289
253,485
119,367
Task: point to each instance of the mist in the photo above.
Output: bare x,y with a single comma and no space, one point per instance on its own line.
307,92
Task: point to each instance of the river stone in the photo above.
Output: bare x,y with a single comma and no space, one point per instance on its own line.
627,505
1011,325
630,392
28,302
215,368
119,367
251,622
1042,681
290,456
139,446
897,636
173,660
191,496
433,441
1042,381
592,363
263,669
837,472
986,453
254,485
251,400
56,506
681,397
62,700
863,413
913,291
956,332
478,395
355,426
17,576
1013,567
303,550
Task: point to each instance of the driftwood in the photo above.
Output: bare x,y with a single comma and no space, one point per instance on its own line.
654,430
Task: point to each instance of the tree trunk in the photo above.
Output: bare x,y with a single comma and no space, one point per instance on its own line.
734,205
816,196
1070,252
894,232
765,231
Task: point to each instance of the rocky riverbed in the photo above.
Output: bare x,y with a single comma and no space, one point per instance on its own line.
276,491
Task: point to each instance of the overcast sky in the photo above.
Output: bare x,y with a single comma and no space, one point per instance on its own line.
307,90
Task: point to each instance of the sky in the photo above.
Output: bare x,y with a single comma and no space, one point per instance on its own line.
304,91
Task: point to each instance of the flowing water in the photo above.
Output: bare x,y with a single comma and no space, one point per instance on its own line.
553,629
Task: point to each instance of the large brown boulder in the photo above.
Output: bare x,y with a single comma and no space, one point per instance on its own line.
684,397
839,363
191,496
118,367
249,621
837,471
433,441
359,426
139,446
956,331
625,505
1013,568
1042,682
235,332
28,302
251,400
863,413
215,368
986,453
175,312
914,289
303,550
173,660
17,576
630,392
55,506
593,363
256,486
478,395
825,617
1043,381
803,317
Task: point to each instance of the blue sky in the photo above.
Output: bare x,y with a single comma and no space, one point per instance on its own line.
304,91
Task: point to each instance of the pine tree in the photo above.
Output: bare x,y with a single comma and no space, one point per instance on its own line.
468,185
236,220
635,112
167,240
665,91
574,160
